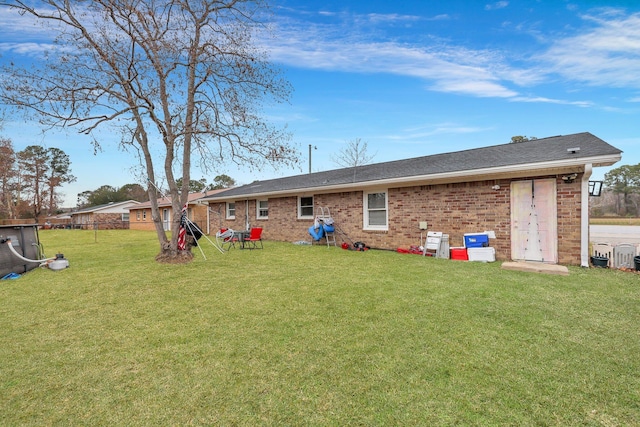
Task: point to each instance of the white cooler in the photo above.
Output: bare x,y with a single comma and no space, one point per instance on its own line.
487,254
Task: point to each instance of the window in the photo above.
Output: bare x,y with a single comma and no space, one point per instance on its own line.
144,215
137,215
305,207
125,217
263,209
231,210
375,211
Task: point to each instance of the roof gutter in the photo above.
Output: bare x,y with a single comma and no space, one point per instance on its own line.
447,177
584,217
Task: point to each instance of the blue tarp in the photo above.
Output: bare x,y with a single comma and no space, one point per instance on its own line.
316,233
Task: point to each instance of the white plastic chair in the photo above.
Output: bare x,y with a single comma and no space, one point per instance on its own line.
623,255
603,250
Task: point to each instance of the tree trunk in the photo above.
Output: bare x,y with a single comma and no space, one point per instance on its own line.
169,255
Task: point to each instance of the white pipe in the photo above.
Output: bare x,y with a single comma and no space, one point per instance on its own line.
208,218
246,213
584,217
23,258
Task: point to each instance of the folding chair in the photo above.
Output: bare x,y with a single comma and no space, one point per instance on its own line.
226,236
623,255
604,250
255,237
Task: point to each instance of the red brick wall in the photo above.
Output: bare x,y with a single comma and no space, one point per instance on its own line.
569,212
108,221
454,209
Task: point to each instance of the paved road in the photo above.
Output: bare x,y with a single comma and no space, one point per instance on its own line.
614,234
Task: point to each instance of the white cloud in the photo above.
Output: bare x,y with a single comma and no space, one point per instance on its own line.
541,99
419,133
17,27
346,45
392,17
479,88
27,49
607,55
449,69
496,5
441,17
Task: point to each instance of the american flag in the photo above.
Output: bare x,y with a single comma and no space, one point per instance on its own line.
182,233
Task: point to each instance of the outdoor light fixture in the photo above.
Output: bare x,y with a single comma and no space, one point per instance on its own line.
568,179
595,188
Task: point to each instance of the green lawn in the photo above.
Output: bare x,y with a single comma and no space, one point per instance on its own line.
614,221
314,336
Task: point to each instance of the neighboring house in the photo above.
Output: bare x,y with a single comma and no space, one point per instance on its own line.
141,219
533,195
108,216
62,220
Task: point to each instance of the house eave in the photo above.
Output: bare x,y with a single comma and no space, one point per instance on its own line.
500,172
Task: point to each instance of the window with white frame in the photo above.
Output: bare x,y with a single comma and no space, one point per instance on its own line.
125,216
137,215
305,207
375,210
231,210
263,209
144,215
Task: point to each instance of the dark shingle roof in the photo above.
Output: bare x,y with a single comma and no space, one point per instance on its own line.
535,152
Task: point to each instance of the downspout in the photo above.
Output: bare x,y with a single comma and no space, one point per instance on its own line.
584,217
208,219
246,214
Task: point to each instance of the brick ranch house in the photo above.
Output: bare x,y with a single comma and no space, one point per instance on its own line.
114,215
529,191
140,215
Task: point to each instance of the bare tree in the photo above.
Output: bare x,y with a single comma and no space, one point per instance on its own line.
354,154
175,77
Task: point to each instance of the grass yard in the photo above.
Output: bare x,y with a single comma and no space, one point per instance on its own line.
314,336
614,221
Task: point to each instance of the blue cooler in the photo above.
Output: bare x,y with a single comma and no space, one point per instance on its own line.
476,240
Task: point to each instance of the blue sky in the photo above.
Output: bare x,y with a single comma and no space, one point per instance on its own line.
415,78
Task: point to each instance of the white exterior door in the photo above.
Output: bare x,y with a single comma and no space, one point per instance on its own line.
166,219
534,222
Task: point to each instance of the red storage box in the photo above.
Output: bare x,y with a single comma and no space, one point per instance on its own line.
459,254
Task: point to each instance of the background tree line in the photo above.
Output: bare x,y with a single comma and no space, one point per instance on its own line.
110,194
621,193
30,180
